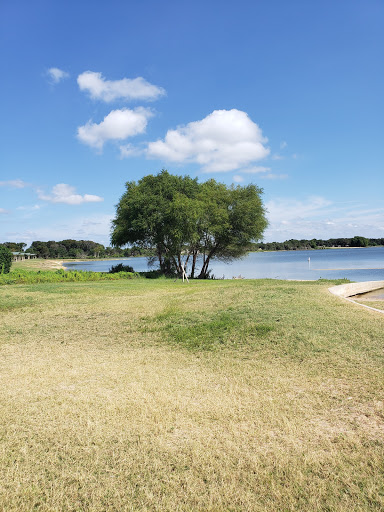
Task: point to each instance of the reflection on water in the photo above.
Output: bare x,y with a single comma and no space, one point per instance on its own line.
373,295
366,264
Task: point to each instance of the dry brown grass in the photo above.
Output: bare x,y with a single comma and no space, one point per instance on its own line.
38,264
103,408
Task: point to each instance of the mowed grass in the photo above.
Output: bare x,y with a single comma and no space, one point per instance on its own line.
218,395
36,264
378,304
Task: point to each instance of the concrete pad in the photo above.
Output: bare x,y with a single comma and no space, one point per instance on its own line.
345,291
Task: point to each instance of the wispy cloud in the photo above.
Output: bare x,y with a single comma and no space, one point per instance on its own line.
255,170
29,208
14,183
117,125
56,75
272,176
129,150
95,227
63,193
3,211
225,140
125,89
317,217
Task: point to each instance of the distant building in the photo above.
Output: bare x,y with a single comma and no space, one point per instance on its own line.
20,256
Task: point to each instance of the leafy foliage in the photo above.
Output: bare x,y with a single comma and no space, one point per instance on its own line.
5,260
75,249
183,219
314,243
120,268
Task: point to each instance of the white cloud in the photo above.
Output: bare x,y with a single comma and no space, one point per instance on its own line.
14,183
63,193
117,125
283,144
29,208
289,209
317,217
126,89
129,150
96,228
3,210
237,178
56,75
256,169
271,176
225,140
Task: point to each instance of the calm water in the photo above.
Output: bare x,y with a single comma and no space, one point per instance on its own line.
365,264
374,295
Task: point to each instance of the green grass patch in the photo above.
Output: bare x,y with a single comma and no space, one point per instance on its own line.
22,276
9,302
207,330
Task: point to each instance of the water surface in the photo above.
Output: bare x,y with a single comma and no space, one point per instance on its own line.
356,264
373,295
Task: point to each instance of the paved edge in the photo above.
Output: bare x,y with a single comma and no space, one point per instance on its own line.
345,291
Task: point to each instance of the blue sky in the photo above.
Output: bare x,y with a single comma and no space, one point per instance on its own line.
287,95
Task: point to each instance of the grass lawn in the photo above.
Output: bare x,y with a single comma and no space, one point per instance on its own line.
149,395
378,304
37,264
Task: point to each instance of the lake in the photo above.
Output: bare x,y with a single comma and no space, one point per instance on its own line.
356,264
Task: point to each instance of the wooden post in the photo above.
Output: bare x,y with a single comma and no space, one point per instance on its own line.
184,274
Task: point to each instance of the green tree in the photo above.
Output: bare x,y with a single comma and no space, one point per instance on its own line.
183,220
152,214
5,260
231,219
359,241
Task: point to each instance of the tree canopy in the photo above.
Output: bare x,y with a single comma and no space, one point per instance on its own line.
184,219
5,260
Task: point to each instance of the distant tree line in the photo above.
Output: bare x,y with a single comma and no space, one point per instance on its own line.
88,249
294,245
76,249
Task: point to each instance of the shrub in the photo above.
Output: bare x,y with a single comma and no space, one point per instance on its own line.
120,268
5,260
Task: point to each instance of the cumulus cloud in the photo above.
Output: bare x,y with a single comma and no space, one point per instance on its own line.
63,193
225,140
117,125
56,75
14,183
110,90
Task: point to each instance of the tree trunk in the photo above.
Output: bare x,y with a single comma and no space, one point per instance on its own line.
204,269
194,258
161,260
